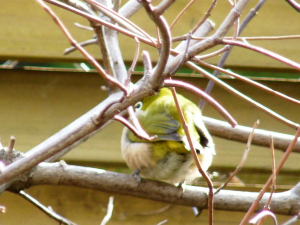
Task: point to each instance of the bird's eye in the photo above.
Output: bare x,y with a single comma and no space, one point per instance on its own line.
138,106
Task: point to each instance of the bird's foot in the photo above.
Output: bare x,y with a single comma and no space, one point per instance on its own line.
136,175
181,188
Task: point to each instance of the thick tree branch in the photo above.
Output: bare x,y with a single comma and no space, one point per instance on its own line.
287,202
240,133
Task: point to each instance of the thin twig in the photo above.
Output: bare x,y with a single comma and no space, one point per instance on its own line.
206,15
134,61
249,81
196,159
270,180
273,185
244,97
293,220
162,222
102,42
202,94
218,52
83,26
100,21
134,130
243,160
121,20
164,31
110,208
181,13
45,210
150,213
11,144
260,38
224,57
294,4
82,50
84,43
263,51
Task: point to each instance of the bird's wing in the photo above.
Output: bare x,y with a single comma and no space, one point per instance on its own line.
163,125
205,138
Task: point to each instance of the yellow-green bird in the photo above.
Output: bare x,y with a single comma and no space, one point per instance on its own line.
167,158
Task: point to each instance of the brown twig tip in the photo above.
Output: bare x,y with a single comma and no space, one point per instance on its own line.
11,144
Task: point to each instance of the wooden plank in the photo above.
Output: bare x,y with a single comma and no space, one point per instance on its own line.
28,33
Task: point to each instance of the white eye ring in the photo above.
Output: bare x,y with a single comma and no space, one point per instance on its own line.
138,106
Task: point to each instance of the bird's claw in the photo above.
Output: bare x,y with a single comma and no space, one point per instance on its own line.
136,175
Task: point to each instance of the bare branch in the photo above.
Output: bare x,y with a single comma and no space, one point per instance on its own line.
181,13
163,6
243,160
239,94
205,17
252,82
240,133
210,42
294,4
83,44
100,21
263,51
215,104
97,179
121,20
195,156
82,50
278,168
218,52
45,210
110,208
134,61
221,63
166,43
292,220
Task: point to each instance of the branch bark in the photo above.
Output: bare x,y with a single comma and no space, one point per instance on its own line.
240,133
287,202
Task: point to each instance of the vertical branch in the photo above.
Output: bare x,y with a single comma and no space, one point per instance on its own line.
134,61
196,159
157,78
81,49
278,168
239,167
206,15
224,57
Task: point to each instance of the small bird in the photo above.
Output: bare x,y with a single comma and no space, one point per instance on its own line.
167,158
